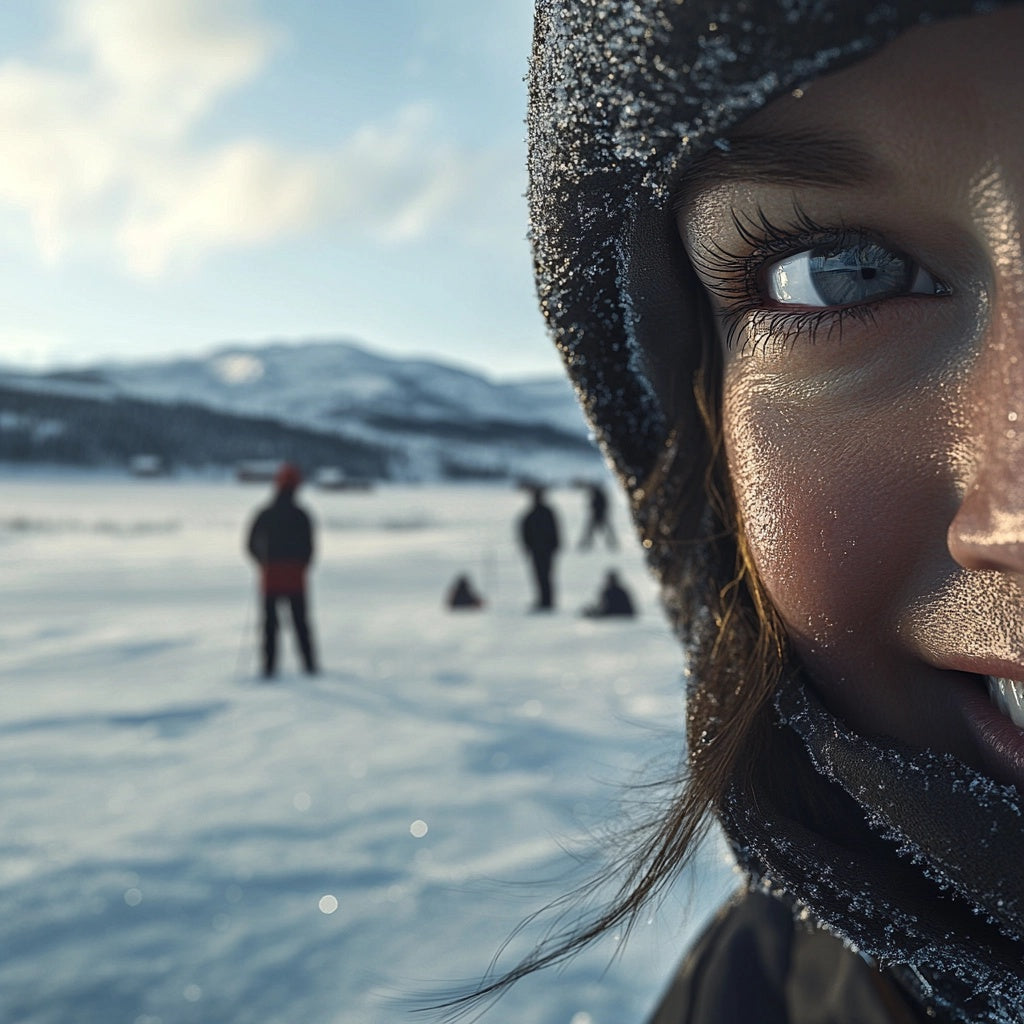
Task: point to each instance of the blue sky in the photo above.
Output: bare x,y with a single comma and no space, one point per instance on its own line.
183,173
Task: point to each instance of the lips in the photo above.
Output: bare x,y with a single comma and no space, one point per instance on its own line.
1007,695
989,706
996,721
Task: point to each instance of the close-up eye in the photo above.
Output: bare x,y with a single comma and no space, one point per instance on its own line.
847,275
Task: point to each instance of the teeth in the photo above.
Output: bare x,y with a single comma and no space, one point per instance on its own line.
1008,697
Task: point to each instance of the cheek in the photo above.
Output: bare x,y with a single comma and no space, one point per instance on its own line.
843,512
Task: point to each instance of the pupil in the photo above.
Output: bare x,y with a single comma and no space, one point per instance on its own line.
853,274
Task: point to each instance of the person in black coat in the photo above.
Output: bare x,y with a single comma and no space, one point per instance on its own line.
281,542
539,535
598,520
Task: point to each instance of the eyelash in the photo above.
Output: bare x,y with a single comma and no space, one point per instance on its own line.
735,279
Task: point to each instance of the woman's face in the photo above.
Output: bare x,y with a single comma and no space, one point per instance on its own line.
863,251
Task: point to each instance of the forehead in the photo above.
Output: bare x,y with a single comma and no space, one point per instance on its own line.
937,97
928,131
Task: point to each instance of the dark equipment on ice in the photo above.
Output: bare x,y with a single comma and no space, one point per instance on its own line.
462,595
614,600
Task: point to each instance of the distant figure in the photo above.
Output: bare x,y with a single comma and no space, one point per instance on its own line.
598,521
538,532
614,599
281,541
462,595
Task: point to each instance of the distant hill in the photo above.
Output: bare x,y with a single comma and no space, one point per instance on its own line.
320,403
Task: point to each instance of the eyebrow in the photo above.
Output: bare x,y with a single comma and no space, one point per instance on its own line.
810,159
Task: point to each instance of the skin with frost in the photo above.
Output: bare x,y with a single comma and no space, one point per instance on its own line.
877,448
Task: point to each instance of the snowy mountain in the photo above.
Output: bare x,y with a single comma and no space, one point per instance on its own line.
322,403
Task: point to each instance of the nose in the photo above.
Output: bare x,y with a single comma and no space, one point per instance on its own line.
987,531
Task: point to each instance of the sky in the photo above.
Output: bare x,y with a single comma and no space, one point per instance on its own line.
181,174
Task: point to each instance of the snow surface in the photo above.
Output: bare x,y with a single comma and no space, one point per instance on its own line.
184,843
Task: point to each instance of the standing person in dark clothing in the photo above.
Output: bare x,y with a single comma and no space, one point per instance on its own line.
538,531
281,541
598,521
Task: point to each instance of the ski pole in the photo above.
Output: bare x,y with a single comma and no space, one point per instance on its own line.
244,643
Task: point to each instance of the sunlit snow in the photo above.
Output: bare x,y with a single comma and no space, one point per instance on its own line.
238,368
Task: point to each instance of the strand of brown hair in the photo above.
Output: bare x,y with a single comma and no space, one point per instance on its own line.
738,662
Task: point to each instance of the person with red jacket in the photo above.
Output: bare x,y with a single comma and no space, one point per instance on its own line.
281,541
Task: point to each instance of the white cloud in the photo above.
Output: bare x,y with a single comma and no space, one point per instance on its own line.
163,63
395,180
238,194
101,151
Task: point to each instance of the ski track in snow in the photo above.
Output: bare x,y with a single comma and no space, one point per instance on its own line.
184,843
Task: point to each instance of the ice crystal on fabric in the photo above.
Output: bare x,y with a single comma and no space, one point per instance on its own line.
940,903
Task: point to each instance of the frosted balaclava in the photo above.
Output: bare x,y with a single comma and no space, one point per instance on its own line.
923,874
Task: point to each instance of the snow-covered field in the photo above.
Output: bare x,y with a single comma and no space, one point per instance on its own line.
184,843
